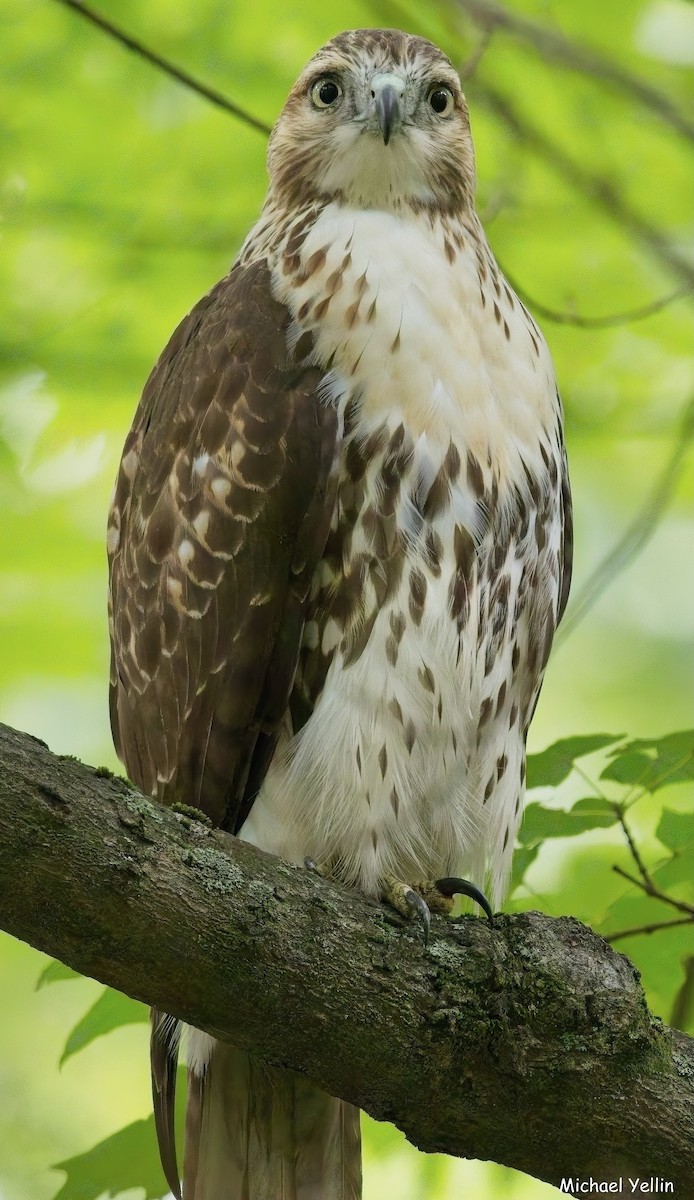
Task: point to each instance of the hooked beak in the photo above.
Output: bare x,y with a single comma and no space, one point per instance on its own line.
387,111
387,90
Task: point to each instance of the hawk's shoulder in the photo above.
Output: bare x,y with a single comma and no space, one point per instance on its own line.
220,513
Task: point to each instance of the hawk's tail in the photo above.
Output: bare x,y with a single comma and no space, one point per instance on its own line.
254,1132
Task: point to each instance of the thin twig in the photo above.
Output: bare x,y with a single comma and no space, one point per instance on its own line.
496,203
625,933
636,535
595,187
646,882
652,890
555,47
163,64
633,848
606,322
471,63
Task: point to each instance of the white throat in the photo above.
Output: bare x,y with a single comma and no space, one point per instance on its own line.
428,349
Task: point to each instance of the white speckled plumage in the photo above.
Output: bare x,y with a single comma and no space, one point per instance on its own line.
454,377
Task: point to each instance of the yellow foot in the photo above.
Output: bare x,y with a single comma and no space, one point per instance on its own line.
421,899
323,870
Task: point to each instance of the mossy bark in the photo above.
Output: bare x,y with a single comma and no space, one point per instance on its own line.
530,1043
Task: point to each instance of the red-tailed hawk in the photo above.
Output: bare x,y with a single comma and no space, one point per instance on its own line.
340,544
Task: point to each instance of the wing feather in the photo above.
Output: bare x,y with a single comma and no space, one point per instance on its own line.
163,1062
221,512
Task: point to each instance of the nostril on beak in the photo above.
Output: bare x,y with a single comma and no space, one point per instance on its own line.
387,111
387,93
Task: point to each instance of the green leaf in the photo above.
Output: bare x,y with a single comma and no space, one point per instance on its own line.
127,1159
56,972
678,870
554,764
540,822
523,859
652,763
110,1011
628,768
675,830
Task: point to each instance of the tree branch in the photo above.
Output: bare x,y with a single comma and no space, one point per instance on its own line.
452,1042
599,189
163,64
554,47
655,893
639,930
607,321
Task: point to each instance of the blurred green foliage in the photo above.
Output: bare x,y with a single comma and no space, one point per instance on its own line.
123,198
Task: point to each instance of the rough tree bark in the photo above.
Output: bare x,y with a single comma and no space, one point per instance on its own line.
529,1043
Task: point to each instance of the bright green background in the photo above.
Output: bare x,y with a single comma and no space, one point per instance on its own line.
122,199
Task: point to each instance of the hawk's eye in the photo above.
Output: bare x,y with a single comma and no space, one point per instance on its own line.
441,100
325,93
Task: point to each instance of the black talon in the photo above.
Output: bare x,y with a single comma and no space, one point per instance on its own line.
420,908
451,886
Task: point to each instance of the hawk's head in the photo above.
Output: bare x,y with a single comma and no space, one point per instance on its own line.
377,119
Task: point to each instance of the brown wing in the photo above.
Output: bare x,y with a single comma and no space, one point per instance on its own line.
221,511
